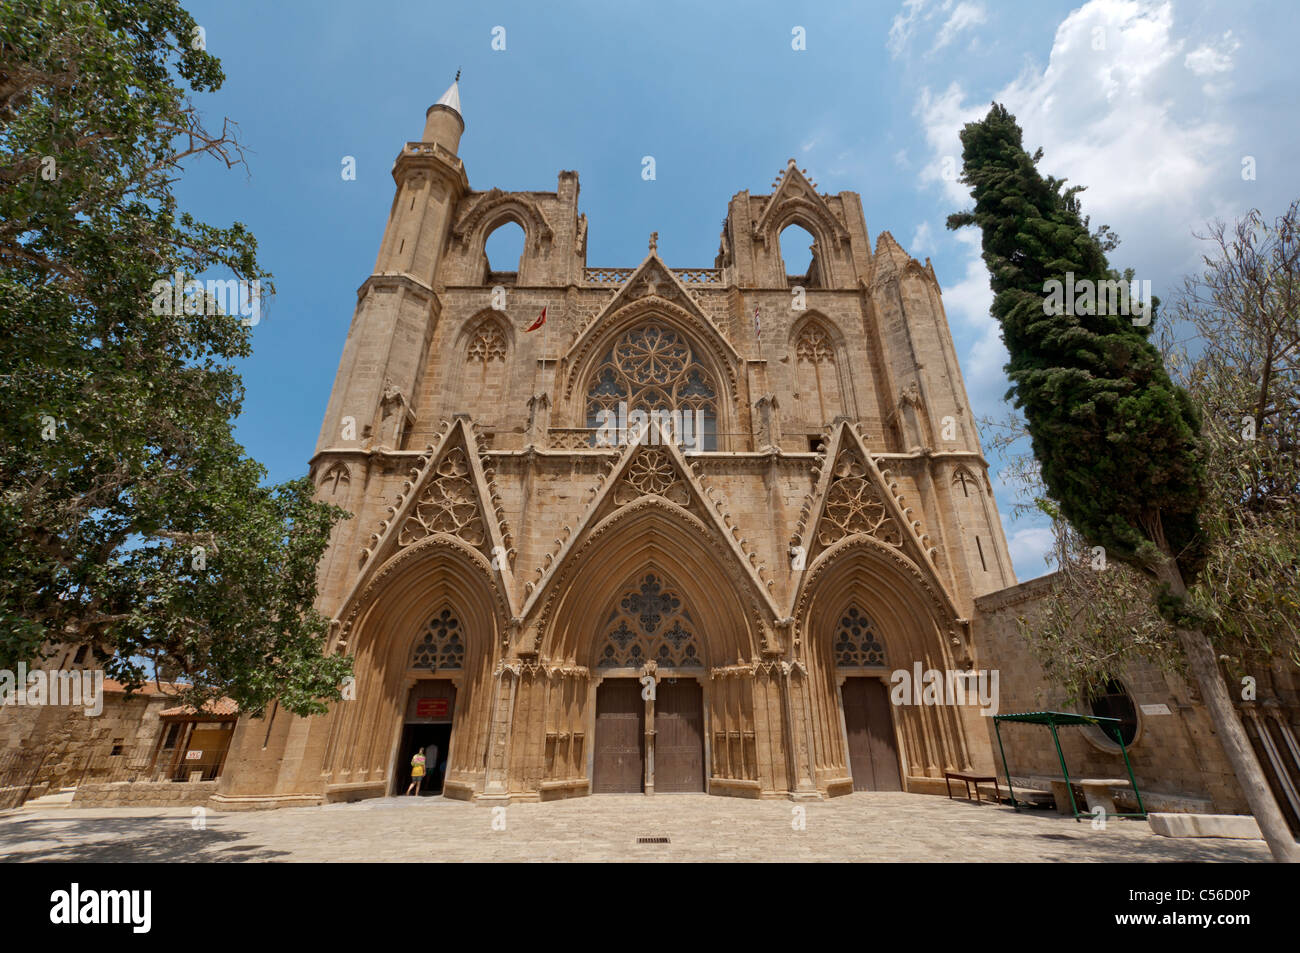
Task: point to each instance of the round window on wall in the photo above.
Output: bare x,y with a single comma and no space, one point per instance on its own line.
1112,701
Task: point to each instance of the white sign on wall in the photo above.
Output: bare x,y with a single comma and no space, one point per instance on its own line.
1160,709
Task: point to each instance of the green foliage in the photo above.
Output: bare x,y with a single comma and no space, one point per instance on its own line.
1243,313
116,457
1115,438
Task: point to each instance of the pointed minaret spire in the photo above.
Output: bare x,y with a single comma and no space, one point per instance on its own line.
443,122
451,98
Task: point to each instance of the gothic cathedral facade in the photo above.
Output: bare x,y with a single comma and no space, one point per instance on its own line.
709,595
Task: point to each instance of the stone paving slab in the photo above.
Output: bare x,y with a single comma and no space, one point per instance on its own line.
856,827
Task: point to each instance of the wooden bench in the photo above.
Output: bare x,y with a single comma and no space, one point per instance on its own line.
969,779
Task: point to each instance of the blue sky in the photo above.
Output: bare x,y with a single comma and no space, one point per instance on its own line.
1153,105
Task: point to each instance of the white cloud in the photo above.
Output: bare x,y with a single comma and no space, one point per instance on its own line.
922,241
1207,59
1128,120
1029,548
1211,60
964,16
900,31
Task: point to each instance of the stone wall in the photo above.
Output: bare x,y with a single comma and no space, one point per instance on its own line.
144,794
1176,758
70,746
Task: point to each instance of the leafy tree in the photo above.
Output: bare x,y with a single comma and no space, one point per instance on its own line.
130,519
1117,442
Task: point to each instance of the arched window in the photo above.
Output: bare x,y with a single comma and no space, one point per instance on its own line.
816,376
441,647
649,622
654,369
504,251
856,644
799,256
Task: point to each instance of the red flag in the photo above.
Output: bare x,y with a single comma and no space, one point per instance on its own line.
541,319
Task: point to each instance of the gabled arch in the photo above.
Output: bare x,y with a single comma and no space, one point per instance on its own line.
650,534
795,201
912,626
391,613
914,618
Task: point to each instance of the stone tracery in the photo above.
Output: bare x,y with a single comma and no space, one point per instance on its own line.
651,472
856,644
649,623
653,368
813,346
486,345
449,505
853,505
441,647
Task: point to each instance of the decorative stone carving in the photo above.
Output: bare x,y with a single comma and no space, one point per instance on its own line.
856,644
651,472
814,346
336,476
853,505
442,646
649,627
487,344
448,505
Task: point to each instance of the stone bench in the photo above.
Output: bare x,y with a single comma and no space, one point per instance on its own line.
1096,793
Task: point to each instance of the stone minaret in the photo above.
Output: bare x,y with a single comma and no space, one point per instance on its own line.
371,406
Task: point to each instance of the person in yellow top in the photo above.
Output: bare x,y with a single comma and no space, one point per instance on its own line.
417,773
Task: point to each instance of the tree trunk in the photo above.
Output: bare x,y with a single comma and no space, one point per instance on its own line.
1232,736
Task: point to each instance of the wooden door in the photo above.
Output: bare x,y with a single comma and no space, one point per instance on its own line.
873,756
620,738
679,736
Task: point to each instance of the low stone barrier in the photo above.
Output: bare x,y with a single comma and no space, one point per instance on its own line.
1240,826
144,794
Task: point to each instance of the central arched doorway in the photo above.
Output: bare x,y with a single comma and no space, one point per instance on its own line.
864,695
650,724
436,662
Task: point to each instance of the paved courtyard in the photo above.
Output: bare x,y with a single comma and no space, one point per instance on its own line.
858,827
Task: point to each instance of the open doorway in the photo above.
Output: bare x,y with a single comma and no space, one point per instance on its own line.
430,708
434,741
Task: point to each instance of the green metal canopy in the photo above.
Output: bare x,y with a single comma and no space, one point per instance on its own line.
1059,718
1066,719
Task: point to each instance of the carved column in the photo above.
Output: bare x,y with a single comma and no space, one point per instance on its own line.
798,726
496,786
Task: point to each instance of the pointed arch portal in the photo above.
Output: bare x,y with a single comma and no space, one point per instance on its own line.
649,721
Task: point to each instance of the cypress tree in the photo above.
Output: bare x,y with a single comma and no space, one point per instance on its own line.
1117,441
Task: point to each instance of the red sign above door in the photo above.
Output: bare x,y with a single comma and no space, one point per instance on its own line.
432,707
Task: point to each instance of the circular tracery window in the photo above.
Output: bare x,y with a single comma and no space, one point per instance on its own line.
653,368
